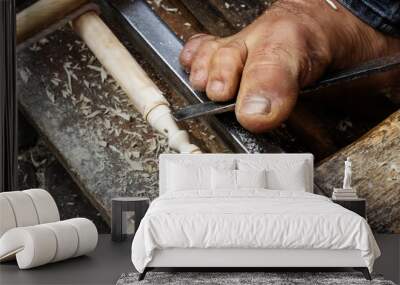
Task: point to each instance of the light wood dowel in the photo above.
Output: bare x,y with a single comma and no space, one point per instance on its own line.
141,90
42,14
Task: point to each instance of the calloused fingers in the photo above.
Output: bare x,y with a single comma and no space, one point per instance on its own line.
200,64
270,82
190,48
225,71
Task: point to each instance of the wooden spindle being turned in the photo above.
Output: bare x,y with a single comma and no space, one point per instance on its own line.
144,94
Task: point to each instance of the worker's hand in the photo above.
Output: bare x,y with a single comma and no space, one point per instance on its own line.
287,48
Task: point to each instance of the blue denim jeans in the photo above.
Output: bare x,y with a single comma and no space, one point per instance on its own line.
383,15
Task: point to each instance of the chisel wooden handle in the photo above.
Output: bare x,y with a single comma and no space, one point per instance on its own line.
42,14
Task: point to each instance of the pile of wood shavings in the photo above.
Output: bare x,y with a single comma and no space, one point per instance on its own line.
107,119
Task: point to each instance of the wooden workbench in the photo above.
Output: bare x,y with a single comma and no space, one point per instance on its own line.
109,149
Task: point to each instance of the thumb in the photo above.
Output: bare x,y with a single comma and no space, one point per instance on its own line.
269,87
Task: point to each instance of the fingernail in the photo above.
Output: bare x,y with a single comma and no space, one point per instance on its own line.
256,105
196,36
186,54
199,75
217,86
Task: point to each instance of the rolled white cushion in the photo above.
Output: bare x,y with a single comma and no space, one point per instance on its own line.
32,246
45,205
40,244
7,218
23,208
87,234
67,240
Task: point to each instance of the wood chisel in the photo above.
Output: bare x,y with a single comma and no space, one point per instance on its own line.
365,70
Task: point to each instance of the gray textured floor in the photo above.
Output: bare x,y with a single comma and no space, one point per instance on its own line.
103,266
110,260
243,278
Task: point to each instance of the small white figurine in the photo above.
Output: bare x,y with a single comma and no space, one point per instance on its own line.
347,174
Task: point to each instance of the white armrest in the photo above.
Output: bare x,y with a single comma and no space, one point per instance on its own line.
23,209
40,244
87,234
7,219
45,205
26,208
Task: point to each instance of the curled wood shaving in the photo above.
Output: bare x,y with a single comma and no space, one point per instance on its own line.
94,114
169,9
25,73
55,81
50,95
157,2
101,70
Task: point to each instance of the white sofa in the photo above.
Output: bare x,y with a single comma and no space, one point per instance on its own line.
31,231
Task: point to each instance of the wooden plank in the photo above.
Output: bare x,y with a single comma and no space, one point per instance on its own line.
89,123
376,173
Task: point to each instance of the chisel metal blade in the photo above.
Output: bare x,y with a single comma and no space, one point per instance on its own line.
203,109
363,71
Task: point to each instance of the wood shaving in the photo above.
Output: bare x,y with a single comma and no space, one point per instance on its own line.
43,41
35,163
25,73
94,114
119,113
157,2
35,47
107,123
343,125
102,143
136,165
55,81
86,83
50,95
101,70
70,75
169,9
